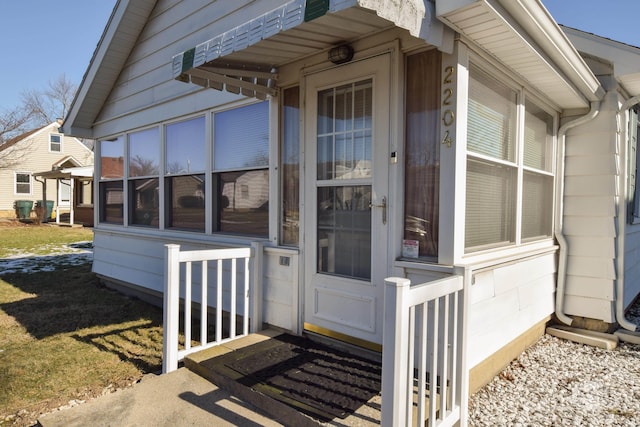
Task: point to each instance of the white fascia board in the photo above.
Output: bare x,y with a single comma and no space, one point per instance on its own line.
536,20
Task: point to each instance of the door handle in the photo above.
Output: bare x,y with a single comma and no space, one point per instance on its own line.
382,205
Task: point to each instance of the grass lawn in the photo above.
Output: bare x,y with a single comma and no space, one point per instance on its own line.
63,336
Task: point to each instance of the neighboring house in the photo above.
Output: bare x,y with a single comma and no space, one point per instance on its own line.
413,139
34,162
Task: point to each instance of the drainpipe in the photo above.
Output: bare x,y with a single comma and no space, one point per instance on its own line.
622,214
559,191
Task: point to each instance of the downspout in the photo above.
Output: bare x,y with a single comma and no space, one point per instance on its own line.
622,214
559,191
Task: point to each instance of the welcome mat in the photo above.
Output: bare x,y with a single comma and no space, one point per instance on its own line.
314,378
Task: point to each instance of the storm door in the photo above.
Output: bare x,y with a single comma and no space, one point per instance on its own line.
346,200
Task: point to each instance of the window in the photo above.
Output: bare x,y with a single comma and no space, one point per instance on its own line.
290,167
422,157
23,183
634,162
185,179
180,158
84,193
111,184
55,143
241,170
510,178
144,167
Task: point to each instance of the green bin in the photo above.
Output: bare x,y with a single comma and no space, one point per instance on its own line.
49,208
23,208
49,205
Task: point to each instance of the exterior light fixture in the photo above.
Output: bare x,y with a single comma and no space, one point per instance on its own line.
341,54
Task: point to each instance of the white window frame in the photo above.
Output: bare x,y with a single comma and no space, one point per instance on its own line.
51,143
15,183
523,94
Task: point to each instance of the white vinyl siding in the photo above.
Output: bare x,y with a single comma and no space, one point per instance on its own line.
509,187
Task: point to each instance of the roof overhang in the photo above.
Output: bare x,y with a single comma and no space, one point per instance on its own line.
245,59
67,173
118,39
523,36
624,58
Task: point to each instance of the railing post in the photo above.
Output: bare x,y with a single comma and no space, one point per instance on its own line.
171,308
256,297
395,348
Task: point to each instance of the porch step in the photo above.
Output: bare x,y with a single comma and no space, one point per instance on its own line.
210,365
584,336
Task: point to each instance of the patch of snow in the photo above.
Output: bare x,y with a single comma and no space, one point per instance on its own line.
57,256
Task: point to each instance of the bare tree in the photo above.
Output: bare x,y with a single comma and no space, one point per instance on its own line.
51,103
13,123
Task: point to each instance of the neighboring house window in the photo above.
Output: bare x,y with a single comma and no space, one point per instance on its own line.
55,143
143,183
64,193
23,183
241,161
111,186
186,163
422,148
509,197
84,193
290,167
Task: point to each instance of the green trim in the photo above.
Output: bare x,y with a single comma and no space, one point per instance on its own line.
315,9
187,59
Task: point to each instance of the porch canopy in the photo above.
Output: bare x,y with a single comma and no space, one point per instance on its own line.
82,173
245,59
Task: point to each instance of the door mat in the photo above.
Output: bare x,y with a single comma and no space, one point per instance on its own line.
314,378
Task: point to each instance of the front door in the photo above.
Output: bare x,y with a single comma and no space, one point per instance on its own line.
346,200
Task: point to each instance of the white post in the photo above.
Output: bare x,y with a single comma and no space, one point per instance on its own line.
395,347
256,296
170,319
71,198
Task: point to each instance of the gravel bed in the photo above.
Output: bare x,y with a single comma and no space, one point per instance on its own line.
561,383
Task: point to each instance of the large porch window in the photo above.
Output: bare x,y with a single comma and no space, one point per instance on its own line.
290,167
241,170
186,164
238,158
144,167
510,178
422,158
111,184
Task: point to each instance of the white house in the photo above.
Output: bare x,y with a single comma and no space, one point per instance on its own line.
32,164
416,139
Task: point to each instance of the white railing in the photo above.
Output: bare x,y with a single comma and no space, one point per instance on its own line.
424,376
228,282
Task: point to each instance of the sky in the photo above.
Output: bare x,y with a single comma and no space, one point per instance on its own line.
43,39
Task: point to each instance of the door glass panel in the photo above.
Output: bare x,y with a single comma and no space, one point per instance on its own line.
344,131
344,140
344,231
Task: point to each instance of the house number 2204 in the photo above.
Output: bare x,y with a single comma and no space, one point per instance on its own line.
448,116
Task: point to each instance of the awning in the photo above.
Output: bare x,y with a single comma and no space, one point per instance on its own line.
80,172
245,59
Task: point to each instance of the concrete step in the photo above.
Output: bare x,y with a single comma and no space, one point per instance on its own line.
175,399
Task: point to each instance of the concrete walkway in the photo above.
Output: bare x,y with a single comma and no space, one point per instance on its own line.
181,398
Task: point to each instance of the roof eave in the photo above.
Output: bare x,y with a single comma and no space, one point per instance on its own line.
553,64
98,80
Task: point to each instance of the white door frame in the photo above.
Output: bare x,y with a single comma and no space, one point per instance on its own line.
339,306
